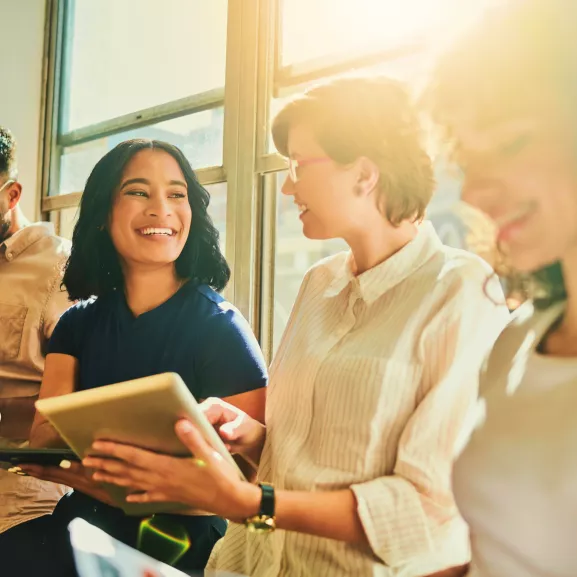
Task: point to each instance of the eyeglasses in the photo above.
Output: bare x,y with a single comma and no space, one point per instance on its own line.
7,183
294,164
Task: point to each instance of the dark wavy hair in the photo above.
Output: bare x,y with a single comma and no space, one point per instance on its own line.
516,54
93,267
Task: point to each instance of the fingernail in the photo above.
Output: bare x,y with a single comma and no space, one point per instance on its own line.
65,464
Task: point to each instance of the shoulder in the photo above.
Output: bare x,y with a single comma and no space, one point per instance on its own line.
456,266
457,274
523,333
81,312
52,246
214,312
210,303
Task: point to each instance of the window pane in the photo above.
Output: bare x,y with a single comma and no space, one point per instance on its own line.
126,55
294,255
318,28
198,135
217,210
64,221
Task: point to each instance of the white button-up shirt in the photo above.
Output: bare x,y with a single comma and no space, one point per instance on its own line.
371,389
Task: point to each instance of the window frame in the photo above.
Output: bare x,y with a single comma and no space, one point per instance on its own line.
253,78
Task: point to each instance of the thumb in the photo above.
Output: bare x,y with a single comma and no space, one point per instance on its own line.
232,430
192,439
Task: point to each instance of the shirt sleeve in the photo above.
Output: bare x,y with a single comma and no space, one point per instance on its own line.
65,338
231,361
404,512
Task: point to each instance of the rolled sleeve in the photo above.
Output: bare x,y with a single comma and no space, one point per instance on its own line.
407,514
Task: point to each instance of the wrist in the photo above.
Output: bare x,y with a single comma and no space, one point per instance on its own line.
247,502
253,453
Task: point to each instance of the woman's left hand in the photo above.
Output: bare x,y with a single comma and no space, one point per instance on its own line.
205,482
75,476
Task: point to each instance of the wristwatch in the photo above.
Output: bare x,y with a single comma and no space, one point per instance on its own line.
265,521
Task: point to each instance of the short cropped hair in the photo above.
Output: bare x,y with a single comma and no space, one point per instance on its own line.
372,118
7,154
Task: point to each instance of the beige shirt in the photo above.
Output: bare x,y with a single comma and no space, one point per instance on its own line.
371,388
31,303
516,482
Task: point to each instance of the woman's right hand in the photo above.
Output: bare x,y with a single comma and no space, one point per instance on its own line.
240,433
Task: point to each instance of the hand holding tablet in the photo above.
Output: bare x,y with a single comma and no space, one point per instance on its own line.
142,413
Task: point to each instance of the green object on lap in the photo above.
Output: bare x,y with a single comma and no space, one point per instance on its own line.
162,538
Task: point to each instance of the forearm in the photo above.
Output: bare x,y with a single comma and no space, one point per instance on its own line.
43,435
16,416
332,515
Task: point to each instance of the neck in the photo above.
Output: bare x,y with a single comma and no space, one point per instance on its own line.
377,242
17,221
146,289
569,265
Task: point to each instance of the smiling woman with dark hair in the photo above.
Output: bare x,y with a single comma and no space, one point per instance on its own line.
145,264
95,265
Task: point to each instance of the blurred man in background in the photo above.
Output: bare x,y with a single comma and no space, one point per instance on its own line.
31,302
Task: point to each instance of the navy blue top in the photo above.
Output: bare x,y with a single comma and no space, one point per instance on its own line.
195,333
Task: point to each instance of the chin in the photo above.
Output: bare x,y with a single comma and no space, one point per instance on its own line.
313,233
529,261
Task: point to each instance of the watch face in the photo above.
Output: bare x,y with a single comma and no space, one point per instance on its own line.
261,524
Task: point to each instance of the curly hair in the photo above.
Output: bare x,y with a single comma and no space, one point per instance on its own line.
93,267
374,118
7,154
518,57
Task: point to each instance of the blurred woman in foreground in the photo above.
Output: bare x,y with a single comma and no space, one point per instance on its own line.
506,98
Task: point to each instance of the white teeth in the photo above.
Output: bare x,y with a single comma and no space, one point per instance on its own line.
514,216
150,231
302,208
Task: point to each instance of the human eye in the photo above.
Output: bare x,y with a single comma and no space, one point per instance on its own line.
140,193
515,145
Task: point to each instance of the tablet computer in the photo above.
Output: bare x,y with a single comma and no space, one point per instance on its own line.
11,459
141,412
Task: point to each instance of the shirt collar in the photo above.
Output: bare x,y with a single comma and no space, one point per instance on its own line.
373,283
26,237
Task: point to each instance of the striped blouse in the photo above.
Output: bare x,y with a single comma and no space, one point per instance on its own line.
372,389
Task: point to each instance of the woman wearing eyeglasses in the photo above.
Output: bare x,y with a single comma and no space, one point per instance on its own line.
375,375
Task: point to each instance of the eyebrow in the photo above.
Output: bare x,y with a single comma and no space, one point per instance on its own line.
146,181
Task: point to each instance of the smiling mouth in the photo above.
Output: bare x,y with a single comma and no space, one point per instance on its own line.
513,222
152,232
302,208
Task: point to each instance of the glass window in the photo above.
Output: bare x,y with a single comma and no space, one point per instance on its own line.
217,210
294,255
312,30
64,221
199,136
127,55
